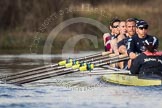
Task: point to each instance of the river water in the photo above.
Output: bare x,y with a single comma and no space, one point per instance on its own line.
70,91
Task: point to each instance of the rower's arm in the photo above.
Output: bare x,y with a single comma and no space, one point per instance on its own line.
136,65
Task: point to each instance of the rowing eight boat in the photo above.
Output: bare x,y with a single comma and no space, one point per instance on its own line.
130,80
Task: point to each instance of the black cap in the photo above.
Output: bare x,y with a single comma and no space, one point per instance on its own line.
151,43
142,23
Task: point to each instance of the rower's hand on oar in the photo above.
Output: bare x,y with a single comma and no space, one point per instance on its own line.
132,55
106,53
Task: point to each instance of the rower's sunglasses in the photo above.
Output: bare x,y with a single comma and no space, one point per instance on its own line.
141,28
115,26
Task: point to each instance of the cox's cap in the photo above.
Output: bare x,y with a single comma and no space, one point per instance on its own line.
153,41
142,23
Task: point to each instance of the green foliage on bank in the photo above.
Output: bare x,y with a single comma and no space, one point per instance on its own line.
26,25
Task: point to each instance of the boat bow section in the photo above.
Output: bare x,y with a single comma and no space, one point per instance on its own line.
130,80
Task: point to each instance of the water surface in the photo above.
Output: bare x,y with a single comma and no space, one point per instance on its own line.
70,91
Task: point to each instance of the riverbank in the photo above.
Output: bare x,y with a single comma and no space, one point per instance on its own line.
31,35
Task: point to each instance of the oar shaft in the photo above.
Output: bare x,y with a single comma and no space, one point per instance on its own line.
94,55
53,73
41,76
111,62
108,72
32,73
15,76
55,65
38,68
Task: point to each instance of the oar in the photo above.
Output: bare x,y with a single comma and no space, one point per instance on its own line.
44,75
61,63
51,69
103,72
105,69
11,77
63,71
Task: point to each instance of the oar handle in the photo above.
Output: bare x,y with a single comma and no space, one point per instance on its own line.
106,53
113,61
106,59
94,55
91,66
105,62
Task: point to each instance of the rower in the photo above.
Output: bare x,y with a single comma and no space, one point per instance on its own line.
136,44
148,63
123,44
122,31
107,37
131,31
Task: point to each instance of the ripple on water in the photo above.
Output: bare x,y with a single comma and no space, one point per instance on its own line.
74,91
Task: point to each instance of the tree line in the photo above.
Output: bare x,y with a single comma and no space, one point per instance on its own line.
28,14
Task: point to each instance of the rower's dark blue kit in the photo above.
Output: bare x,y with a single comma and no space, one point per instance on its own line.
146,65
136,44
124,42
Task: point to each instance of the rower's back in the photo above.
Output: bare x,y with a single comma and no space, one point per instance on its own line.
149,63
